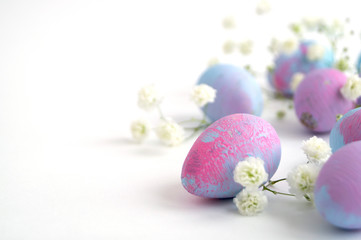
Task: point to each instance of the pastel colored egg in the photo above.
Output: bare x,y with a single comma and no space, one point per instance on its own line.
237,91
338,188
346,130
286,66
318,100
208,167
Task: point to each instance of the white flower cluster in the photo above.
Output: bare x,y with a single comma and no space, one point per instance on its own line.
289,46
149,97
317,150
263,7
315,52
251,174
246,47
352,89
302,178
203,94
250,203
140,129
170,132
297,78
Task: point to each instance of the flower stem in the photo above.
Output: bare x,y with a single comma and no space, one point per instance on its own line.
270,182
265,188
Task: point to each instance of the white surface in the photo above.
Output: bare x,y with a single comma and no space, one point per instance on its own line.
69,74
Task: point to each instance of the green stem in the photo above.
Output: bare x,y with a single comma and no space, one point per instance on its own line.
265,188
270,182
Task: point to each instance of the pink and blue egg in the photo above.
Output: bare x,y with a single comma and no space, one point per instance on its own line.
208,168
237,91
318,100
338,188
346,130
288,65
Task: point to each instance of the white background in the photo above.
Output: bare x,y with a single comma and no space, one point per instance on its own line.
69,75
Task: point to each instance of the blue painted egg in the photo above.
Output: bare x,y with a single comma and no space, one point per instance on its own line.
338,188
237,91
346,130
288,65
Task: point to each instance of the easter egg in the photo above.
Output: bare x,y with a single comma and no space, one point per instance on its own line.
208,168
318,100
237,91
358,65
346,130
338,188
286,66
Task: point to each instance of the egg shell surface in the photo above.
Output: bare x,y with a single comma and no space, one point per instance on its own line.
338,188
318,99
208,168
346,130
237,91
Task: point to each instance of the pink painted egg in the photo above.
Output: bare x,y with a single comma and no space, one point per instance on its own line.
346,130
338,188
208,167
318,99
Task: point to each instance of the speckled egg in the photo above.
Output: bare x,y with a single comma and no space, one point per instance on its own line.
288,65
346,130
237,91
318,99
338,188
208,168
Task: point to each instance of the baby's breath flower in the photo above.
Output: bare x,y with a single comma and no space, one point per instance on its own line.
302,180
250,203
229,46
170,132
289,46
352,89
229,22
311,22
316,149
250,173
140,129
263,7
274,46
149,97
203,94
296,80
246,47
213,61
315,52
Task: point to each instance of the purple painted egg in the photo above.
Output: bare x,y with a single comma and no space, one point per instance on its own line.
286,66
318,99
338,188
208,168
237,91
346,130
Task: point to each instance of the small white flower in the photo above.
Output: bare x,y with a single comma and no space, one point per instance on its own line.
149,97
229,46
250,173
315,52
203,94
302,180
170,132
213,61
352,89
246,47
311,22
274,46
263,7
250,203
289,46
140,129
296,80
229,22
316,149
